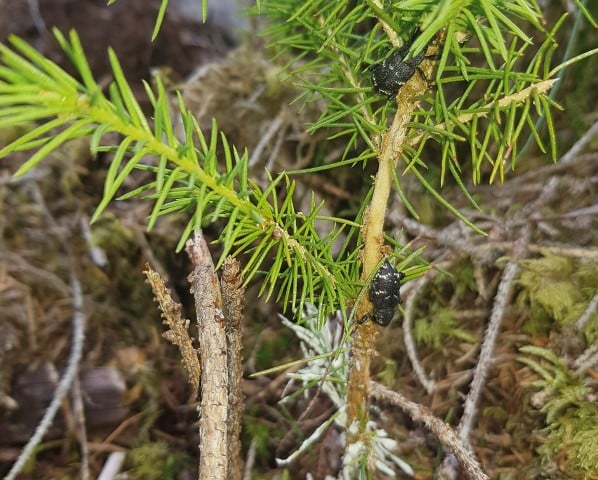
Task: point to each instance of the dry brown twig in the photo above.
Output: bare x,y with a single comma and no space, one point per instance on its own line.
79,417
448,469
445,434
79,320
178,326
501,303
418,369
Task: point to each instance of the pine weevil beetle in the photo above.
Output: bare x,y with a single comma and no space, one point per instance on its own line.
384,293
394,71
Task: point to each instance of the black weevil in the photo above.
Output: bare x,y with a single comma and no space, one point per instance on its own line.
384,293
394,71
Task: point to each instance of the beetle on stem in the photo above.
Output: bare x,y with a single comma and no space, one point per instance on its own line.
394,71
384,293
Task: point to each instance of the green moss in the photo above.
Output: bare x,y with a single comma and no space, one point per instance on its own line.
557,288
437,326
568,403
156,461
261,433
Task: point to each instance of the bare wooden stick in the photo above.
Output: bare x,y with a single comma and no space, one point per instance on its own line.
233,303
213,408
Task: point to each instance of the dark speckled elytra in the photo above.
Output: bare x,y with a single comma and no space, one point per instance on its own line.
384,293
394,71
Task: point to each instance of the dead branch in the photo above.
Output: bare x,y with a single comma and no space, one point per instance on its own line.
219,368
79,323
502,299
79,414
178,334
420,373
211,328
583,319
573,155
588,359
233,303
445,434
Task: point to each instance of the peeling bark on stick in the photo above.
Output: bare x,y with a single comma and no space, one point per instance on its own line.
213,409
233,303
